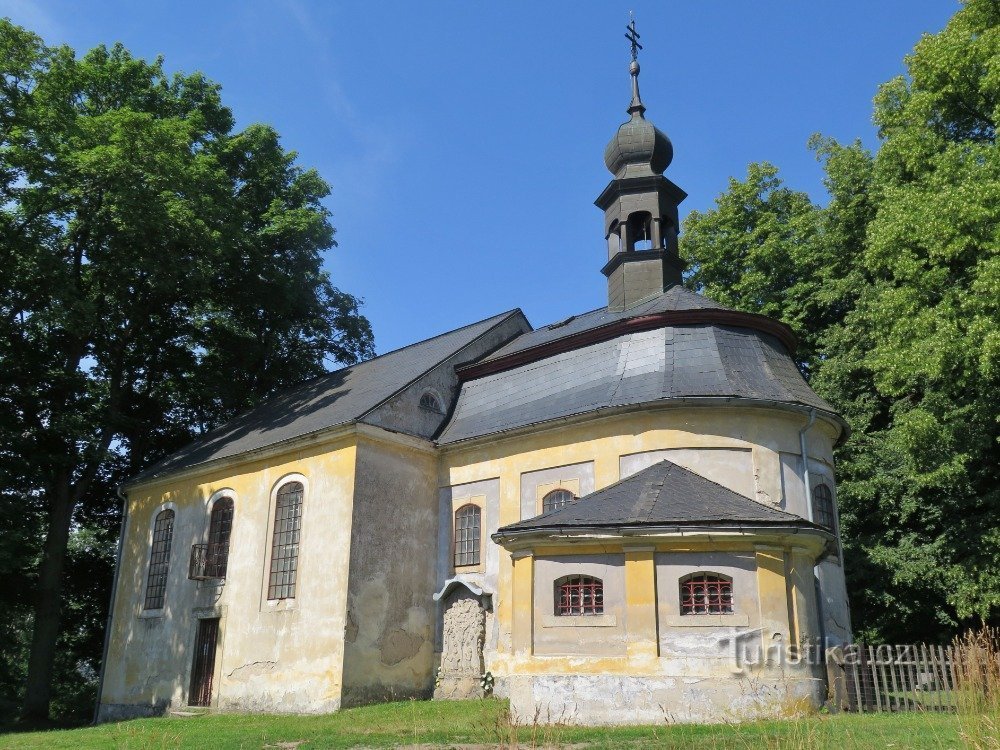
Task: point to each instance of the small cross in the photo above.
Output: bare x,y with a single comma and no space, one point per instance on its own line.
633,37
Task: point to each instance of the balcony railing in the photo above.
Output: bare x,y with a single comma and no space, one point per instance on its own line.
208,561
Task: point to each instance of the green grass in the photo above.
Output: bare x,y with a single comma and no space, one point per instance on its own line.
457,723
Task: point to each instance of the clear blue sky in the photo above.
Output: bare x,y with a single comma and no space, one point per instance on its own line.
464,140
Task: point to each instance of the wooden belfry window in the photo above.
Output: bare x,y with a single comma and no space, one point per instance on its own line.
220,528
579,595
706,594
159,560
557,499
468,522
285,541
823,506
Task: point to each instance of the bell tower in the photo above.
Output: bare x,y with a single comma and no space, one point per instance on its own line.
640,205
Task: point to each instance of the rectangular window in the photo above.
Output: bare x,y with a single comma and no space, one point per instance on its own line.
285,542
467,530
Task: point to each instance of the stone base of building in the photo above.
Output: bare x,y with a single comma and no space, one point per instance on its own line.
458,688
124,711
621,699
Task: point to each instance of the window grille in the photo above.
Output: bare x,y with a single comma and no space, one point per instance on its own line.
429,401
557,499
823,506
579,595
706,594
467,528
159,560
220,528
285,541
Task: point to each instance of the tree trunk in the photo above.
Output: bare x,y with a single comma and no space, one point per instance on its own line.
48,600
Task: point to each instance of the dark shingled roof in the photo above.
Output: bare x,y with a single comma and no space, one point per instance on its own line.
674,298
673,362
663,494
326,401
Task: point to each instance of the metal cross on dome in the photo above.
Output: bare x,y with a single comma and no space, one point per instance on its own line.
633,36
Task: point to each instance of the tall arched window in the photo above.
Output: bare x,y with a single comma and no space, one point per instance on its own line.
579,595
468,523
285,541
220,528
557,499
823,506
159,560
706,594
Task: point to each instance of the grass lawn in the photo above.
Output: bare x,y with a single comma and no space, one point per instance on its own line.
483,723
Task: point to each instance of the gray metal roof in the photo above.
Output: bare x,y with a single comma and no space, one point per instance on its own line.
327,401
674,298
663,494
674,362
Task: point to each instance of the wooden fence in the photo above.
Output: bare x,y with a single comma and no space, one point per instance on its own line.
895,678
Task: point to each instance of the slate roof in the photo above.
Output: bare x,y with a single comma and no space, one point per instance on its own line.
674,298
673,362
327,401
663,494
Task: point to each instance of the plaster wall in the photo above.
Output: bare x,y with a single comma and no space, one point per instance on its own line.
584,635
717,439
389,635
696,638
834,605
730,467
271,655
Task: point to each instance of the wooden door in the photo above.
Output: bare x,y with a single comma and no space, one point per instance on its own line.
203,665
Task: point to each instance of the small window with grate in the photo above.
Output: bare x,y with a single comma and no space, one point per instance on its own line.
706,594
468,523
430,402
823,506
556,499
579,595
285,542
159,560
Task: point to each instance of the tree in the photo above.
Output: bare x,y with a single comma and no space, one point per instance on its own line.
895,292
159,271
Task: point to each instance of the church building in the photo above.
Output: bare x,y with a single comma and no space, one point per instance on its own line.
627,516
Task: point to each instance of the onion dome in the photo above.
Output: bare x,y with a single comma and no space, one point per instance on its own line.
638,147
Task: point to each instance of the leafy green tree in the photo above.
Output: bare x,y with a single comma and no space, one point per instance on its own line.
895,294
158,272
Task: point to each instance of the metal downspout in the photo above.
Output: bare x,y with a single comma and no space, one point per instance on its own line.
807,489
111,604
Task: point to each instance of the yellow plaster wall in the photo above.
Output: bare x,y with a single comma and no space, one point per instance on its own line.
272,655
765,433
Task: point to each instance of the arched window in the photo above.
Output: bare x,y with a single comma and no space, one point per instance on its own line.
159,560
823,506
467,527
557,499
706,594
220,528
579,595
285,541
430,402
